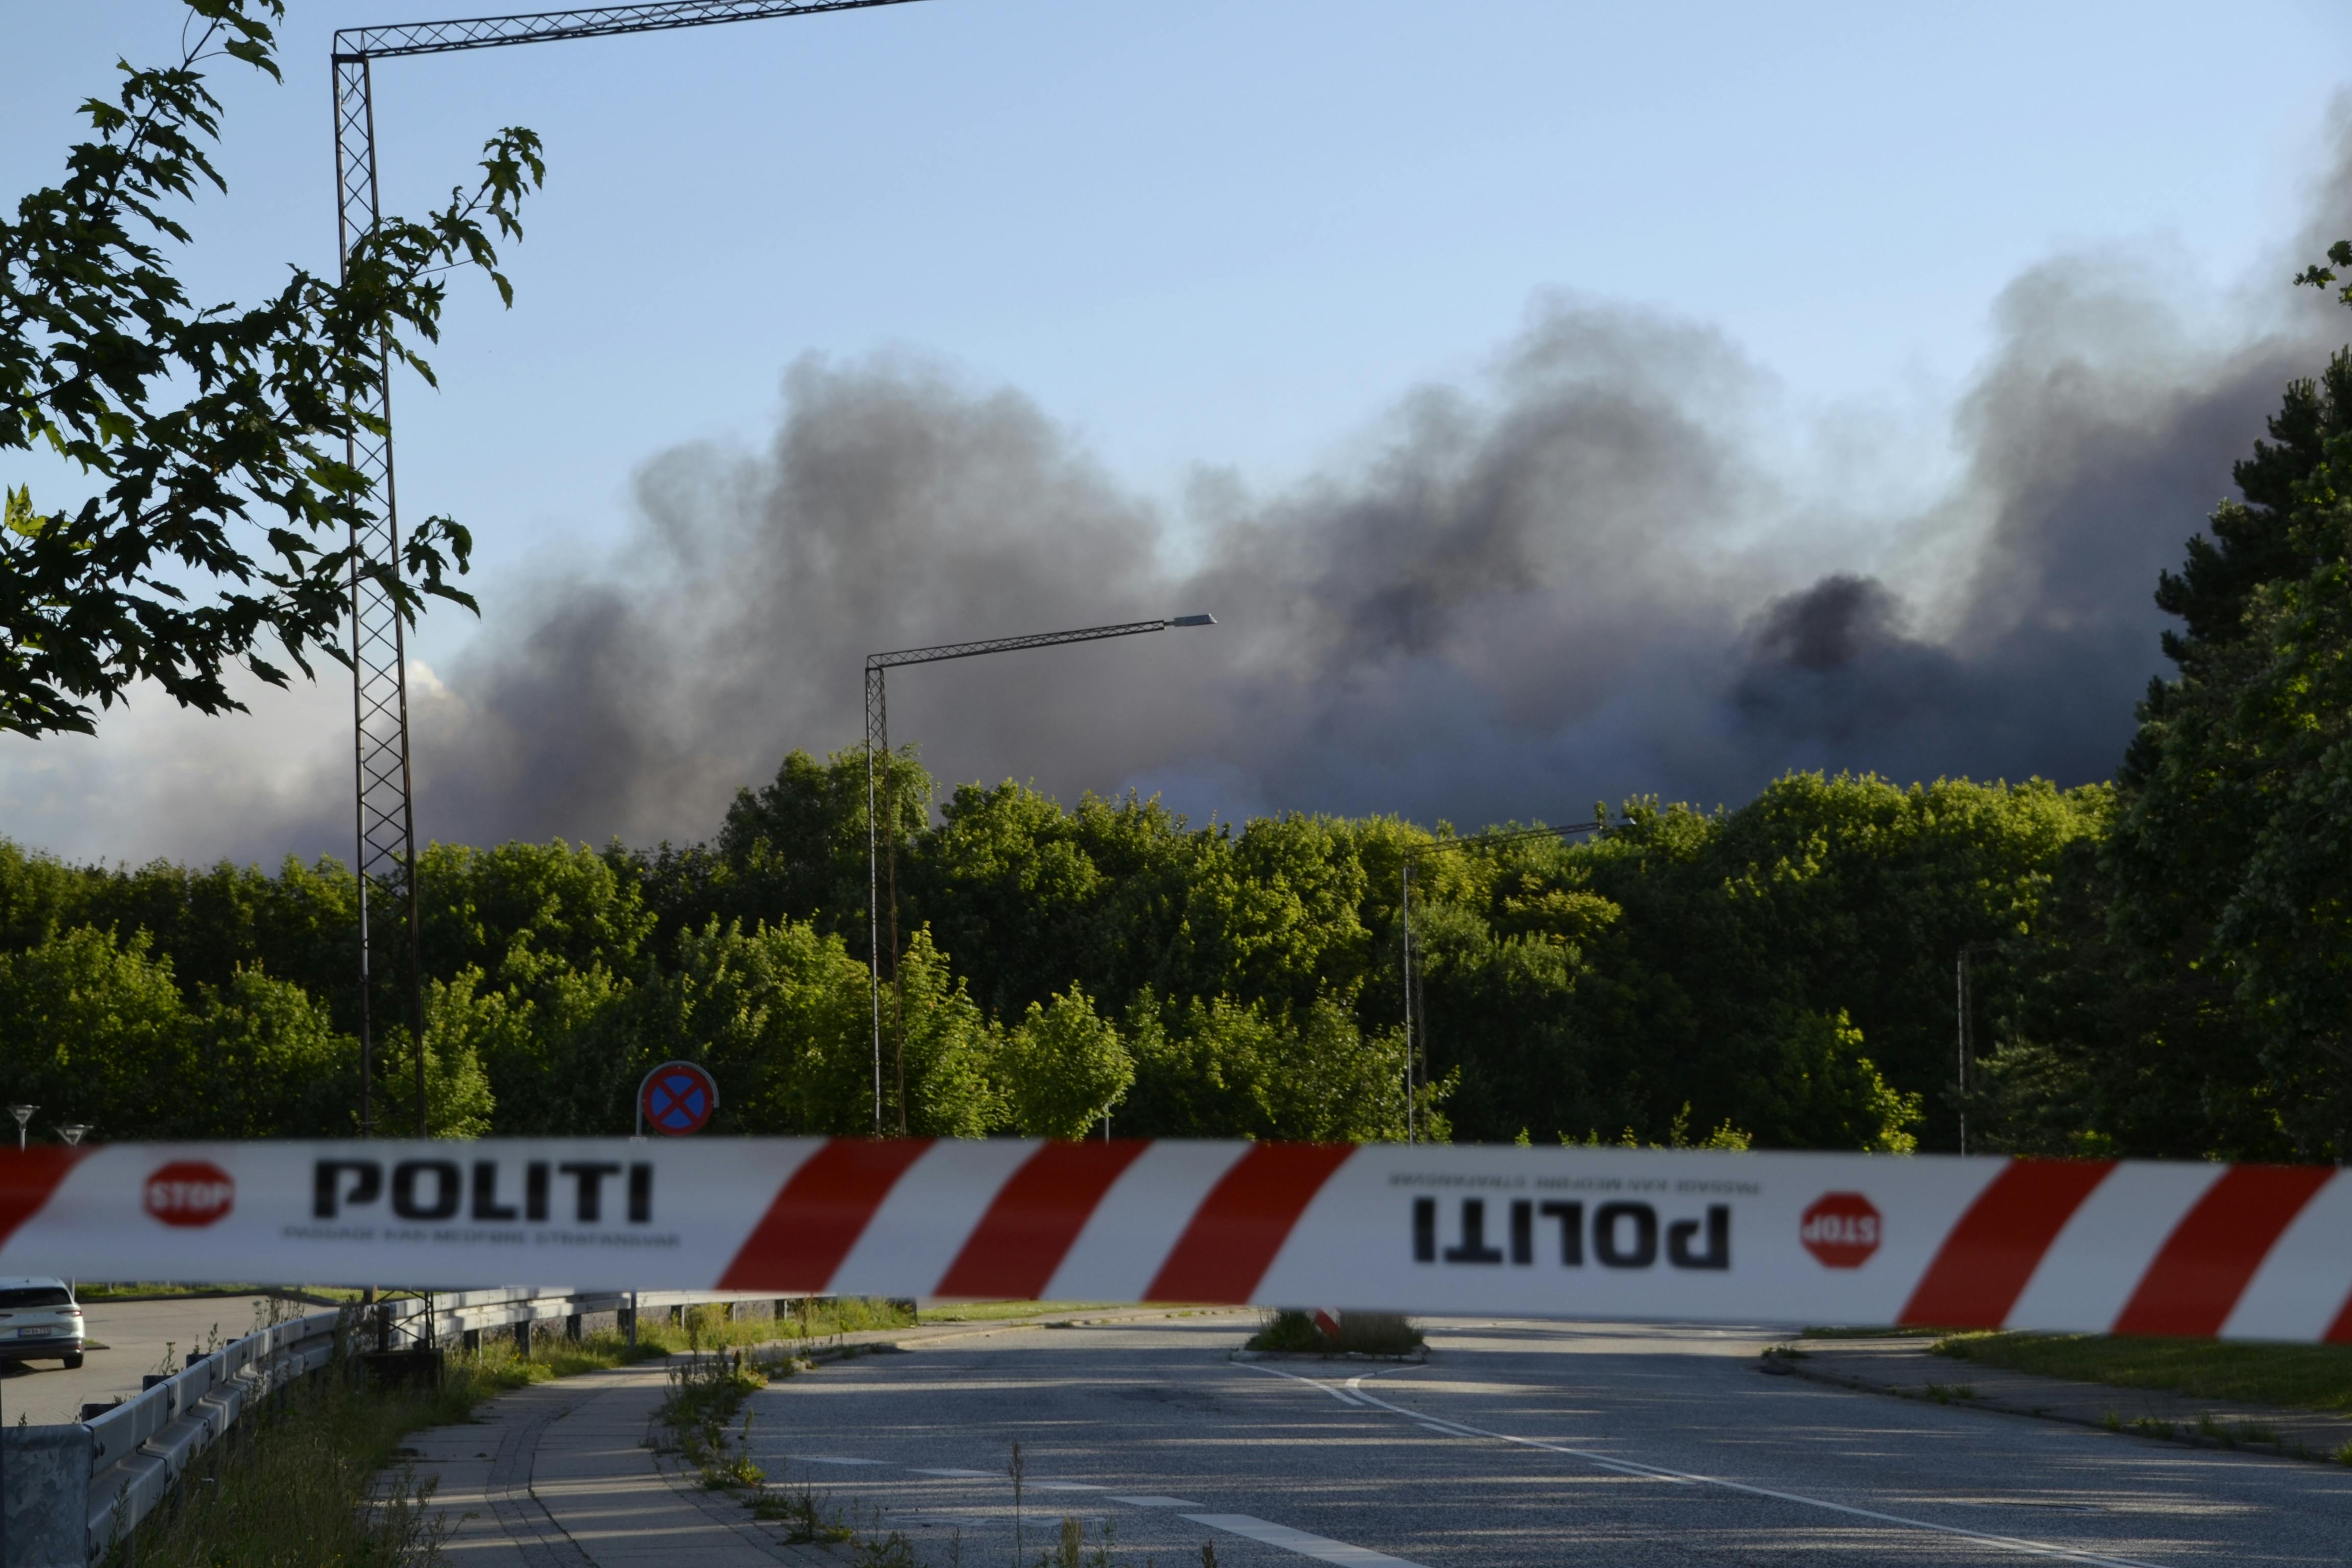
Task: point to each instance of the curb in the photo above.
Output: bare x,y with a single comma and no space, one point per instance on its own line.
1776,1362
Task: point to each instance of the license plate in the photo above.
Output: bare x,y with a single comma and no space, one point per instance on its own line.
34,1333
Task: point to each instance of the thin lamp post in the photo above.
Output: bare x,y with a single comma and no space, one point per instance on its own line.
878,739
1960,1045
1404,928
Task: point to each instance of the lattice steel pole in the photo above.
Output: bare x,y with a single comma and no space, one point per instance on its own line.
386,807
387,866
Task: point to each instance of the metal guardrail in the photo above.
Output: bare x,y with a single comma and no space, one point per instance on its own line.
73,1490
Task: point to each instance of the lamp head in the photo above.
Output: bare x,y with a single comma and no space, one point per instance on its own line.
1193,621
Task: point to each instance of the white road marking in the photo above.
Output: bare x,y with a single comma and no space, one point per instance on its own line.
985,1475
1320,1547
1341,1394
1154,1500
1063,1486
2006,1542
827,1459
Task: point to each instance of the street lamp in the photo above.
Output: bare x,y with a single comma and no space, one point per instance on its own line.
1404,926
22,1113
72,1132
878,739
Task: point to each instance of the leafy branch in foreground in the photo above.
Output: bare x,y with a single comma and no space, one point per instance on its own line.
204,424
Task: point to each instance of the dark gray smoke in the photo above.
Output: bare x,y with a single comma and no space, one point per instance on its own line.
1617,563
1584,580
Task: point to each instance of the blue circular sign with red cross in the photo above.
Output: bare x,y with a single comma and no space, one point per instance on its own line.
676,1097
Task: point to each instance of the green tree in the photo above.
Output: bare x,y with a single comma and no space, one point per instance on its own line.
780,1014
94,1030
2231,853
1063,1068
1223,1068
202,425
272,1063
459,1102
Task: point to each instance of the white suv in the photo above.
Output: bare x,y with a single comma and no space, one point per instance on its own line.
38,1320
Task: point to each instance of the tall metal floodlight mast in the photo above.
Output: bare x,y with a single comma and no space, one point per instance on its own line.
387,815
881,860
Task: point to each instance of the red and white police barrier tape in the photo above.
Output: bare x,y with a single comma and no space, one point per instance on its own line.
2244,1251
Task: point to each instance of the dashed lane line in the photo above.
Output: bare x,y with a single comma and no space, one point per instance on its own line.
1320,1547
1686,1478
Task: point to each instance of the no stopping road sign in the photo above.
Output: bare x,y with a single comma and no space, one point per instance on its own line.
676,1097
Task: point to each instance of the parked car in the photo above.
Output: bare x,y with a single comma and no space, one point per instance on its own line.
39,1321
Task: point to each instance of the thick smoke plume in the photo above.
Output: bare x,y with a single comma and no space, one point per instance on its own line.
1581,583
1617,565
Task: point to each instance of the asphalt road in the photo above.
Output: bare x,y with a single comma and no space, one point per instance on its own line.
139,1337
1517,1444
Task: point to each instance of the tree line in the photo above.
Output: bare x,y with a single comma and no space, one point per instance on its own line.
2158,965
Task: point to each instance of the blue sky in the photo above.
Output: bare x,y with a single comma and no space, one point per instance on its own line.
1230,235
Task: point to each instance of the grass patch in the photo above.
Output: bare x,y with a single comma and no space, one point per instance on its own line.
1361,1333
808,1322
2305,1377
993,1311
1949,1392
89,1291
294,1484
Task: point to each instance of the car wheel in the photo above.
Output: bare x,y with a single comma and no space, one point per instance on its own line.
73,1361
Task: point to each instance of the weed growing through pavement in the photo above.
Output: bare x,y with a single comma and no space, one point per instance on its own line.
1946,1393
706,1393
806,1521
2229,1434
1070,1549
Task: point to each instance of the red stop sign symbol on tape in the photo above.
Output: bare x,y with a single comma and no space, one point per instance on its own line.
190,1193
1841,1230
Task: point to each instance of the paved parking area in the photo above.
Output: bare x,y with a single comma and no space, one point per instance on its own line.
140,1337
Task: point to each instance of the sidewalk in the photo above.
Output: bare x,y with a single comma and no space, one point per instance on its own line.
562,1475
559,1475
1904,1367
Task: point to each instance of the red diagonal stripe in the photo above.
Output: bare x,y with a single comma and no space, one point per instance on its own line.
1243,1222
1022,1238
2205,1263
1983,1266
820,1214
2339,1332
28,1177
